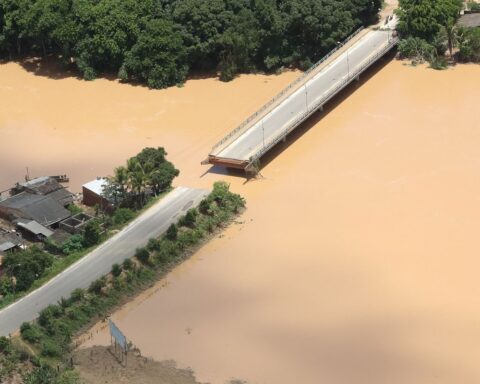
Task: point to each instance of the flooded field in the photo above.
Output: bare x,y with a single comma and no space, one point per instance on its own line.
357,259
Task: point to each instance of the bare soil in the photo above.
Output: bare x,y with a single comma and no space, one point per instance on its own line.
99,365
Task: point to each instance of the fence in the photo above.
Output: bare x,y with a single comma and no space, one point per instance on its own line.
350,77
244,124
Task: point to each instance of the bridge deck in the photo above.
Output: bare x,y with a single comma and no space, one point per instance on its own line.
275,120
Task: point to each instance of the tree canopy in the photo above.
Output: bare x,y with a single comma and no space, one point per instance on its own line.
426,18
149,172
158,42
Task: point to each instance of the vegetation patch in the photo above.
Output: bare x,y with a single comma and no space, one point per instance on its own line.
429,29
134,188
158,42
52,333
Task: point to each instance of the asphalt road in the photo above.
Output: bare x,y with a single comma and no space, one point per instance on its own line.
306,98
97,263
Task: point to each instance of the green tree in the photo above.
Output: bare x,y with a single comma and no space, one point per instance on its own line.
27,266
425,18
158,57
92,233
469,42
122,216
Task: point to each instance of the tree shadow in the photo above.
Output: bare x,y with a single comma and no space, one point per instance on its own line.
50,66
53,67
316,117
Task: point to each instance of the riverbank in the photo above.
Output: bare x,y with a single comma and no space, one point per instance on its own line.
50,337
377,203
372,279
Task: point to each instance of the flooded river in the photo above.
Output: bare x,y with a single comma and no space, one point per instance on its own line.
357,260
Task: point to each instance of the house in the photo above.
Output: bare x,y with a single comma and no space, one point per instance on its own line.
45,186
9,241
44,209
93,194
32,230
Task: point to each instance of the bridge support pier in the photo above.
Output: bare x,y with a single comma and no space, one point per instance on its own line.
357,78
284,139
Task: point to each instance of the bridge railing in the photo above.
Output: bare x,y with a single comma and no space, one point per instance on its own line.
360,68
301,78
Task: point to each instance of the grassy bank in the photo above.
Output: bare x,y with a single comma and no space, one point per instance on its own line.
50,337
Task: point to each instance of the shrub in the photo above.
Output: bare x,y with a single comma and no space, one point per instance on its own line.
97,285
27,265
470,45
153,245
77,295
142,255
91,235
73,244
204,207
122,216
74,209
4,344
172,232
48,314
116,270
42,374
50,348
52,246
31,333
189,219
128,264
416,49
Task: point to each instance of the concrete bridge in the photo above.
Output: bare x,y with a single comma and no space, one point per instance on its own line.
245,145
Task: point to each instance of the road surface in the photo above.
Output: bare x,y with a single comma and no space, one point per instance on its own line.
307,97
97,263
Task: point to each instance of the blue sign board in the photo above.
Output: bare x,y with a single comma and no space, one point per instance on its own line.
117,335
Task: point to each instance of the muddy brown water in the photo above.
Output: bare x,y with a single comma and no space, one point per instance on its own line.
357,259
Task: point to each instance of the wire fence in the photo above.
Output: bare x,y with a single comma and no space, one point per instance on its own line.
245,123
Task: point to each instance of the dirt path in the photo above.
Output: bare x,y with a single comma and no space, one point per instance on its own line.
387,10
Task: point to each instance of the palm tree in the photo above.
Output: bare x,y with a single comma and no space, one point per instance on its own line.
137,180
451,32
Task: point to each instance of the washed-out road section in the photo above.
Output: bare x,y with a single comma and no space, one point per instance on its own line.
97,263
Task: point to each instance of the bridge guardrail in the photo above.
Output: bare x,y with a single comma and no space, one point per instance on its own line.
285,90
323,100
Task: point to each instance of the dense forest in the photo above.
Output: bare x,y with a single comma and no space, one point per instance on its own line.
159,42
429,29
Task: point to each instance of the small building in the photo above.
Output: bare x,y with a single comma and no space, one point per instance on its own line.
9,241
76,223
93,194
46,186
45,210
32,230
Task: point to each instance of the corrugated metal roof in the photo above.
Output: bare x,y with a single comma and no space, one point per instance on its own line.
43,209
6,246
96,186
35,228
